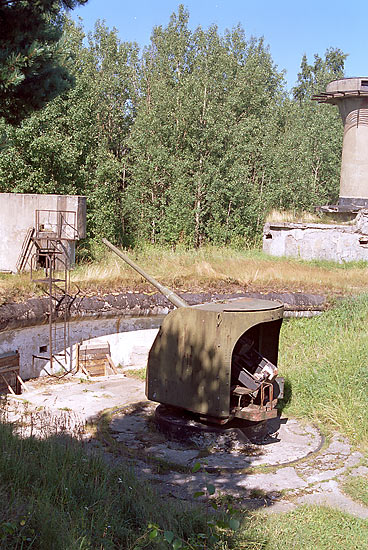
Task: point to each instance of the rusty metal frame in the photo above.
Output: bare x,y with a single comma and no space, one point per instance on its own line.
58,228
254,412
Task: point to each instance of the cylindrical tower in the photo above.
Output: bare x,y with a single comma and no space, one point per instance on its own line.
351,97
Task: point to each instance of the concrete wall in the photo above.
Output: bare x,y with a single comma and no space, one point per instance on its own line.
340,243
17,215
128,337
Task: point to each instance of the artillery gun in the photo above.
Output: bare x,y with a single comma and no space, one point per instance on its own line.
216,360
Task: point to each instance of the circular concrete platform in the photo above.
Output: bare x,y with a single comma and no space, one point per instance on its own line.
287,441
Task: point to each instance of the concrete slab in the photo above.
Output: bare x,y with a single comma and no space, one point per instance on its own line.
85,397
329,494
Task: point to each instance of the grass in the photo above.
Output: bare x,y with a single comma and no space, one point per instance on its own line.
207,269
223,268
325,362
57,496
357,488
139,374
17,287
290,216
307,528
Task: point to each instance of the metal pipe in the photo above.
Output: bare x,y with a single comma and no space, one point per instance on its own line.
167,292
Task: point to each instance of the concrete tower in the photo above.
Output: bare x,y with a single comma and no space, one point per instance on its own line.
351,97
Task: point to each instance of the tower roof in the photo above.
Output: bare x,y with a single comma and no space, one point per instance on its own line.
343,88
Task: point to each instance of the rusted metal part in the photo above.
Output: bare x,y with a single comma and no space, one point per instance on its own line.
324,97
260,405
255,414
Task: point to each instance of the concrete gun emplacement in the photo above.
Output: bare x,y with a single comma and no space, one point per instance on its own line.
216,360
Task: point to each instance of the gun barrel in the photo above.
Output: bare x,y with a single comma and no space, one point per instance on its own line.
167,292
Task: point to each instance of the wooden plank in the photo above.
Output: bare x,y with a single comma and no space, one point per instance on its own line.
3,388
89,356
96,368
10,380
84,370
94,363
4,370
101,346
11,361
77,356
9,354
9,387
96,373
111,363
25,251
21,382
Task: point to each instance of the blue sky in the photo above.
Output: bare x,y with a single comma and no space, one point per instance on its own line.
290,27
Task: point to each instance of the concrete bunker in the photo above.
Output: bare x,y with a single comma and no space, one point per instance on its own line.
32,224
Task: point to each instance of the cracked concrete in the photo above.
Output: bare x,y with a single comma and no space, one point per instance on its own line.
311,475
280,490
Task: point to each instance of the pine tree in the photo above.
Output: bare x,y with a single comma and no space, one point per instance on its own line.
32,64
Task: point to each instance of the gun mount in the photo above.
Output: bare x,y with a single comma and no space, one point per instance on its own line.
216,360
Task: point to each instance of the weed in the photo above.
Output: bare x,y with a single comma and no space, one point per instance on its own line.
258,493
306,528
139,374
217,525
58,496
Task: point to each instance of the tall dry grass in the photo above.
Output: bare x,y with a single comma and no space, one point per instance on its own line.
207,269
291,216
212,267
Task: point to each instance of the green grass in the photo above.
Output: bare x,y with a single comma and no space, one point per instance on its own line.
357,488
55,496
307,528
139,374
325,362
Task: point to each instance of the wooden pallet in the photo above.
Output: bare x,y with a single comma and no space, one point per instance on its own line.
94,359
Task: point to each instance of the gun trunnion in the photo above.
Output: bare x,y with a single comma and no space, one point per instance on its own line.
217,360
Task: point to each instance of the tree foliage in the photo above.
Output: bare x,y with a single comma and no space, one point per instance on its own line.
191,141
32,63
199,138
